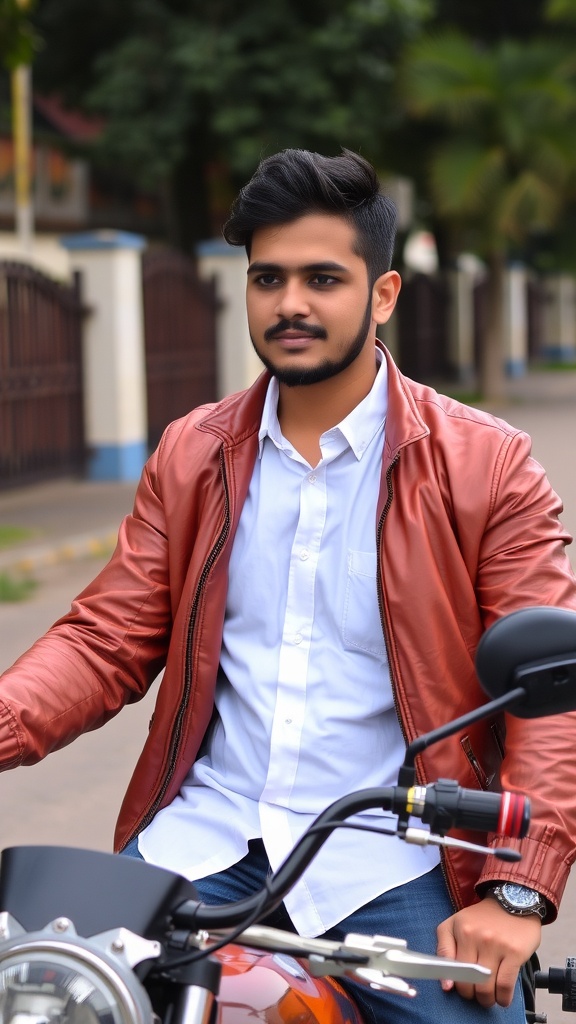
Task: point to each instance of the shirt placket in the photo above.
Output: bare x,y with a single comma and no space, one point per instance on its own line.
288,720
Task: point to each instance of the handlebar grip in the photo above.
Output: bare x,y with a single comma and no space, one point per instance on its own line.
448,806
508,814
560,982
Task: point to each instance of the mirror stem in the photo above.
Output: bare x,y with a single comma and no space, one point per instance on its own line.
407,773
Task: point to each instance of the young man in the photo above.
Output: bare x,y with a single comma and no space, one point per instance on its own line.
313,562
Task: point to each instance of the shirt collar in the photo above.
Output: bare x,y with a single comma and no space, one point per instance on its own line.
359,427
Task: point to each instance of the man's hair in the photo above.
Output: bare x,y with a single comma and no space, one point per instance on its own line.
296,182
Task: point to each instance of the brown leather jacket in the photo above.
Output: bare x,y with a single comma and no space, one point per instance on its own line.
468,530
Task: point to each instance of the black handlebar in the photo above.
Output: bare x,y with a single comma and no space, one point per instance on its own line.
443,805
560,982
448,806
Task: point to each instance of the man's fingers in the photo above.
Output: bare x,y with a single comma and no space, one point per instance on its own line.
505,984
446,946
485,934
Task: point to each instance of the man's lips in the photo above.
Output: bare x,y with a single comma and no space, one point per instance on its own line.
290,337
294,334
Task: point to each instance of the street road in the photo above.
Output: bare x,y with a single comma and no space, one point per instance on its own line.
73,797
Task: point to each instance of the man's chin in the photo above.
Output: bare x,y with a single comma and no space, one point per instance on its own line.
302,376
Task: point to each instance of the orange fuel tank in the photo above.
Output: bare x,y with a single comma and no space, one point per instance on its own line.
275,988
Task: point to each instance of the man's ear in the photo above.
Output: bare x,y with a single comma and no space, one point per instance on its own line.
384,295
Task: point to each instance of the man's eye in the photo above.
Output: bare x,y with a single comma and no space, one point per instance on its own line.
323,279
266,279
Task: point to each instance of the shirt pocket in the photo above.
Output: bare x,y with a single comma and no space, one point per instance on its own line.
361,625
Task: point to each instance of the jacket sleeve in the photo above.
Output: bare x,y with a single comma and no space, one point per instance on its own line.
104,653
523,562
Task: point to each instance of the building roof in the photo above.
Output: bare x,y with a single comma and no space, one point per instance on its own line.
72,124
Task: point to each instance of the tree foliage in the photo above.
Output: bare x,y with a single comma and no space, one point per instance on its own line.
184,85
504,164
505,159
558,11
18,41
492,19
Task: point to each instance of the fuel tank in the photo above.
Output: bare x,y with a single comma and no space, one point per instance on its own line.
275,988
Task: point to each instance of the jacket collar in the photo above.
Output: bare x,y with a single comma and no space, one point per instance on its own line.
239,416
404,424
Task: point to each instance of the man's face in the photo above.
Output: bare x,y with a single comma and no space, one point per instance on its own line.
308,299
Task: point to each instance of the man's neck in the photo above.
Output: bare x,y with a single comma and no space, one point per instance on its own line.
306,412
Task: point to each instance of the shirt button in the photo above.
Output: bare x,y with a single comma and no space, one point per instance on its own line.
298,638
312,478
288,721
304,554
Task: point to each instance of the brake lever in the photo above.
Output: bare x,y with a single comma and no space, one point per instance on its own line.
381,958
391,956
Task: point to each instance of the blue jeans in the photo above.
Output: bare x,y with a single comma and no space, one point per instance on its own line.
411,911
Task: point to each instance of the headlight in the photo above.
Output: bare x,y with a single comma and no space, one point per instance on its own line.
57,977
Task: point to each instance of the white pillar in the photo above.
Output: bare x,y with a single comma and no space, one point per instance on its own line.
559,319
237,362
461,284
515,320
114,354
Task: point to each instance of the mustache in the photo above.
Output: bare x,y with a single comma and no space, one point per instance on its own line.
311,330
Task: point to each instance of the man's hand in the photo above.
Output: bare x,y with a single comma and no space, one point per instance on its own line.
487,934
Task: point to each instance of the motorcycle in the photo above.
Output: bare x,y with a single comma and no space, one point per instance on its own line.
92,938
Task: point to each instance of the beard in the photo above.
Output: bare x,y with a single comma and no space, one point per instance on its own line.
297,376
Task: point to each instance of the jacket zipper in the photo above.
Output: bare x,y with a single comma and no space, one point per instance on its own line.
177,731
387,635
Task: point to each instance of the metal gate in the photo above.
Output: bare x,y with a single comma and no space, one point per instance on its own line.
180,335
422,316
41,417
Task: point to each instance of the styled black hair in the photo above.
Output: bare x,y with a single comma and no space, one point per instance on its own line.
296,182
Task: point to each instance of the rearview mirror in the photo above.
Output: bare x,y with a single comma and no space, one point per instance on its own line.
526,662
533,649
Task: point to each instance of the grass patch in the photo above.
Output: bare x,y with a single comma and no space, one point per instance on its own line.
10,535
16,589
555,366
466,397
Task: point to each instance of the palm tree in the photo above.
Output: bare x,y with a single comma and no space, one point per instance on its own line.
506,158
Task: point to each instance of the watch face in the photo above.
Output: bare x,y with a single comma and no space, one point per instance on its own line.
519,896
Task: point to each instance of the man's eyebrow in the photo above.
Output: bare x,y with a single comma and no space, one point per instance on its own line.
326,266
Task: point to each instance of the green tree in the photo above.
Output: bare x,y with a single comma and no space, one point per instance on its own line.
560,11
492,19
193,94
18,41
504,163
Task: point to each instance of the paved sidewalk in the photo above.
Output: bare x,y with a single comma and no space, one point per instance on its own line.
68,519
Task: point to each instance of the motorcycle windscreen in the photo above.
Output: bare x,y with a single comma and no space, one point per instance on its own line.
97,891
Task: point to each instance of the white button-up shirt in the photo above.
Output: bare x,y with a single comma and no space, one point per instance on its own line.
304,699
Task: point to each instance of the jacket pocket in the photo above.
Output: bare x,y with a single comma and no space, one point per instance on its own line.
485,765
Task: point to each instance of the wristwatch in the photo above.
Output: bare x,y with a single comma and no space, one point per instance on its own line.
518,899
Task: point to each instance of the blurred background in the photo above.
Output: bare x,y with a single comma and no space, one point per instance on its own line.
141,119
126,129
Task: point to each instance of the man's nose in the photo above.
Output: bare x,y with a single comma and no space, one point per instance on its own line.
293,302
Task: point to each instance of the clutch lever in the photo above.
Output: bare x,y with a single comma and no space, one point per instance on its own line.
377,960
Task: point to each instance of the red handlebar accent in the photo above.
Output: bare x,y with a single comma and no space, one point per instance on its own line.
514,815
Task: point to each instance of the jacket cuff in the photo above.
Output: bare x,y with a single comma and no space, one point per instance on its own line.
545,866
11,743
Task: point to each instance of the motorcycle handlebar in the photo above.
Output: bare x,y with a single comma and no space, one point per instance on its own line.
446,805
560,982
443,805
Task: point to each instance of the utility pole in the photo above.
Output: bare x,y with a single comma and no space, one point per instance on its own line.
21,83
